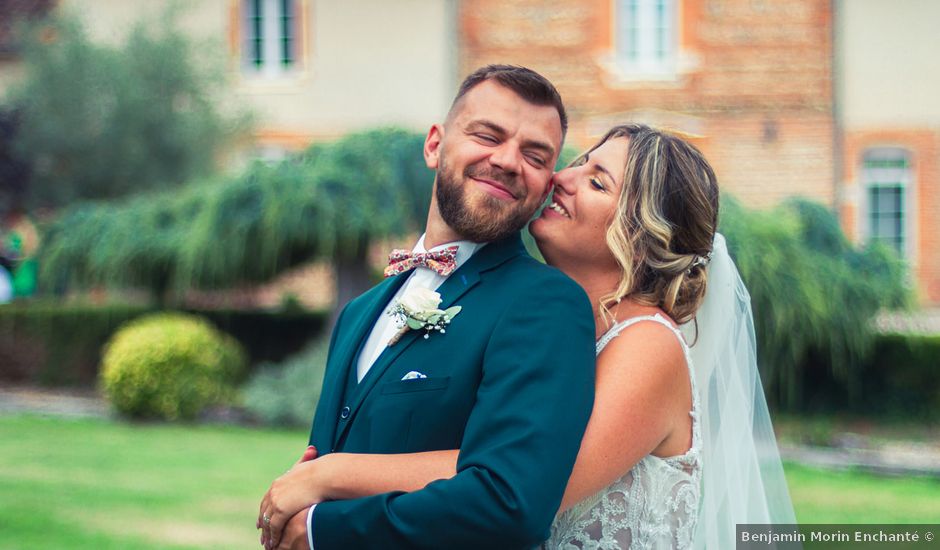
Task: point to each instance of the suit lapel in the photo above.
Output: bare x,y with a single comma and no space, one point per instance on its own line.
348,349
451,290
349,344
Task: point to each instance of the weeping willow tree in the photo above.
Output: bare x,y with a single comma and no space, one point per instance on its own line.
812,292
130,244
331,202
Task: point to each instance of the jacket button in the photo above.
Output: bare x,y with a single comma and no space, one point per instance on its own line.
344,414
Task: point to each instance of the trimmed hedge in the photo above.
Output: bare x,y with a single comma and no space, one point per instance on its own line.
49,344
900,378
903,376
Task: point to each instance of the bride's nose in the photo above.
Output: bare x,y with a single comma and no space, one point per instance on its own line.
565,181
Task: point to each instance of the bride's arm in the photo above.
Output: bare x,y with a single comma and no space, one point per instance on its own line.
641,401
348,475
338,476
642,390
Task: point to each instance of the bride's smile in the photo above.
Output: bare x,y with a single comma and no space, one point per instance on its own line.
582,205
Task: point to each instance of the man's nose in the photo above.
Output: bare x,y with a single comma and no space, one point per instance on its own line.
507,157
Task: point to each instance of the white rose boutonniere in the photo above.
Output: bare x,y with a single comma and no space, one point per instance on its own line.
418,309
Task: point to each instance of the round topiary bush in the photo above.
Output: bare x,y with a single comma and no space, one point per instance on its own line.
169,366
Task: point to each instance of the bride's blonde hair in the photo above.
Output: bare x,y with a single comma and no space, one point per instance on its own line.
662,230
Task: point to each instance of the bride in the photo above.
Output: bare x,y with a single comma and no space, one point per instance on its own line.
679,448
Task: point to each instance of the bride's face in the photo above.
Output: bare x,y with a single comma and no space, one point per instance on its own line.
572,229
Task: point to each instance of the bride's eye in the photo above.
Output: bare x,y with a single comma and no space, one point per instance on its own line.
596,183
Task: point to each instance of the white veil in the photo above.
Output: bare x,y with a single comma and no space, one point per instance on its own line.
743,480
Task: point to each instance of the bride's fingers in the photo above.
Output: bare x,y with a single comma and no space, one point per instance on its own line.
310,453
265,504
266,530
266,512
261,510
277,528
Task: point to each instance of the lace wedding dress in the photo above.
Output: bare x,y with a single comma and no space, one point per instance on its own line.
655,505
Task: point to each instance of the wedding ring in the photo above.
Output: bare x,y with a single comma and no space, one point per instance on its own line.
267,520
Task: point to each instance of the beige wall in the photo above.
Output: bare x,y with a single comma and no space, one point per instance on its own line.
110,20
369,62
887,61
366,62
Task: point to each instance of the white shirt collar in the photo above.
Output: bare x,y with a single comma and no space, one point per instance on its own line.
465,249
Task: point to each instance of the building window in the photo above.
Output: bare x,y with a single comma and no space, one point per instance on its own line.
886,176
270,36
645,36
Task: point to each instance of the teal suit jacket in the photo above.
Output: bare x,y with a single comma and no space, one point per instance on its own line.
510,383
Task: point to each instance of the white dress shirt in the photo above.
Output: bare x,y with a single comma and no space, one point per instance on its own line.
385,327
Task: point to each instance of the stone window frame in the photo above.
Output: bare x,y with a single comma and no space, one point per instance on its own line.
273,65
887,168
659,22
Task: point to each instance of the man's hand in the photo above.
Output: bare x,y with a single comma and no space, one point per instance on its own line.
295,533
281,501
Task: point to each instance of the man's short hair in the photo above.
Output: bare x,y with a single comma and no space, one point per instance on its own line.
526,83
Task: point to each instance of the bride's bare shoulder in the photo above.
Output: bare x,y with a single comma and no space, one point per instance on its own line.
646,344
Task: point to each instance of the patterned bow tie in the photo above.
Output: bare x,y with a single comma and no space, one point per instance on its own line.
443,262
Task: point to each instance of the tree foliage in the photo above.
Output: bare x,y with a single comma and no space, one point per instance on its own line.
100,121
331,202
812,292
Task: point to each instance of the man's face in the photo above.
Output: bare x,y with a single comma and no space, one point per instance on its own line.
494,159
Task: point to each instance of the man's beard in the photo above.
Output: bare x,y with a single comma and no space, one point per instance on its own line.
492,219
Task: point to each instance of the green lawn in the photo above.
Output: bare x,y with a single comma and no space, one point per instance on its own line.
822,496
100,484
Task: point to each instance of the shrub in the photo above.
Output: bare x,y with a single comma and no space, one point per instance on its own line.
288,393
169,366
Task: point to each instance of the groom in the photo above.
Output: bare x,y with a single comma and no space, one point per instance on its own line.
509,381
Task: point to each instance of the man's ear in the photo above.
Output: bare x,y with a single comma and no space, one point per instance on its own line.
432,146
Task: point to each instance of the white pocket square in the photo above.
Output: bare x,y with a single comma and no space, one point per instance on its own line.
413,374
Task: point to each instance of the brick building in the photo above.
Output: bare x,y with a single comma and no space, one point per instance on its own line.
827,99
751,82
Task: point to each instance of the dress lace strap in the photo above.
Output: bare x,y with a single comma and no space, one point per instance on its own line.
615,330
